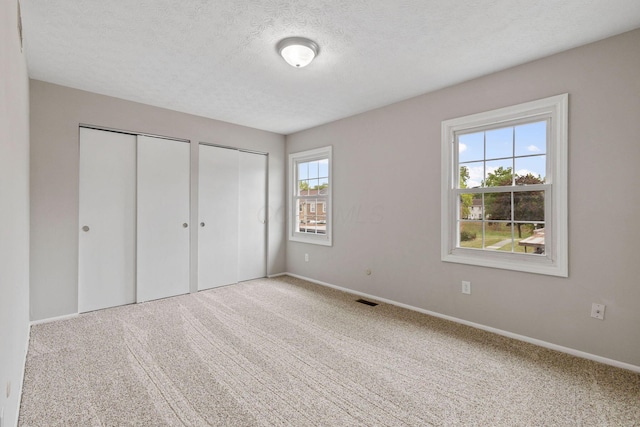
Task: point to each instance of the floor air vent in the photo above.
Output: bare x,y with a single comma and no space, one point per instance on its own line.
364,301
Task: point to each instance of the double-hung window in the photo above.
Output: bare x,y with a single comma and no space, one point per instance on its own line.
504,193
309,188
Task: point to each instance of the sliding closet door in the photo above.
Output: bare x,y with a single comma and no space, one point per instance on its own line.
218,217
106,245
163,218
252,216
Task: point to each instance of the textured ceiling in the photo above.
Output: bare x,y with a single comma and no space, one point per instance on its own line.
217,58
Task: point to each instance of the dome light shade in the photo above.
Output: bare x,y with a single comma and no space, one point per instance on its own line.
298,51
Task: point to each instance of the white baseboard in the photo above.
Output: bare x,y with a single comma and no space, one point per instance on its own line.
54,319
271,276
508,334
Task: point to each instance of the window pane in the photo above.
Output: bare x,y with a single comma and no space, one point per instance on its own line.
323,189
321,222
303,171
498,236
531,170
529,206
306,223
464,176
499,143
303,187
319,219
499,173
474,173
464,205
497,206
505,245
531,240
321,214
471,147
531,139
308,227
314,169
312,216
470,208
323,168
470,234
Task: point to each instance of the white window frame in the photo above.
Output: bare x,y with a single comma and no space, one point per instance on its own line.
302,157
555,260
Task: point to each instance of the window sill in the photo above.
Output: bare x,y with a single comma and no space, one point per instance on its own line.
507,261
321,239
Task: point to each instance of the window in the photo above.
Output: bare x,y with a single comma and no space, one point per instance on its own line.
504,188
310,185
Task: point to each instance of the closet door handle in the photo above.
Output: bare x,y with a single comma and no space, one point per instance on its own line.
185,225
85,228
202,224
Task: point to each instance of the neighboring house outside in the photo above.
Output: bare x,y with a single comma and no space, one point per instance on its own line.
475,210
313,212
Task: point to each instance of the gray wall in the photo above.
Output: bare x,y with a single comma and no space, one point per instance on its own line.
14,213
56,112
387,204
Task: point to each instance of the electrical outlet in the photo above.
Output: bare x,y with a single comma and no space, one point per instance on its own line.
306,257
466,287
597,311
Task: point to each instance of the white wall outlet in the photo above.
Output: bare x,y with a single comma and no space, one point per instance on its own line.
597,311
306,257
466,287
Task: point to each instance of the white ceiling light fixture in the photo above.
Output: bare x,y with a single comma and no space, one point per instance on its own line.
298,51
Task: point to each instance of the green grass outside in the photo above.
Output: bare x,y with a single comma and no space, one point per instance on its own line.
494,234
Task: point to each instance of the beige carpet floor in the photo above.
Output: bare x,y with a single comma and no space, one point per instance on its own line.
284,352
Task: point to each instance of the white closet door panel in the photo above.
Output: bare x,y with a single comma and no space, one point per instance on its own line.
163,218
252,216
218,217
106,252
